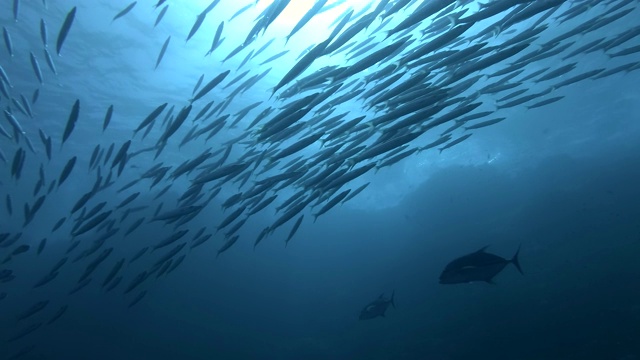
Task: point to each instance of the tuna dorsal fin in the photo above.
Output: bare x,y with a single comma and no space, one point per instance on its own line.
482,249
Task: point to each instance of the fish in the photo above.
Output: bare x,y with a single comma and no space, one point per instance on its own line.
33,309
377,308
227,245
36,67
43,33
141,277
16,9
79,286
477,266
64,29
7,41
107,118
484,123
41,246
170,239
124,11
150,118
139,254
241,10
315,9
97,220
455,142
137,298
24,332
128,200
50,62
71,121
196,25
121,155
113,284
47,278
174,126
67,170
210,85
58,314
160,15
215,43
114,271
294,229
162,51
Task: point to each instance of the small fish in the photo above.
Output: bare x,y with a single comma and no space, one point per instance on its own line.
124,11
138,298
71,122
378,307
16,9
160,15
58,314
107,118
43,243
162,51
50,62
67,170
477,266
43,32
64,30
20,250
36,67
7,41
34,309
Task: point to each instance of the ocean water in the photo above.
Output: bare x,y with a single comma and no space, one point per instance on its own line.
558,183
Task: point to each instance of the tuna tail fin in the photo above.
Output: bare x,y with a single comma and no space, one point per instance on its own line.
516,262
391,301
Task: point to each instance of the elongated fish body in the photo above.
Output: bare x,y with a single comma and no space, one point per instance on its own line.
71,121
50,62
64,30
7,41
216,40
150,118
196,25
162,51
170,240
124,11
294,229
36,67
67,170
161,15
138,298
24,332
227,245
35,308
107,118
58,314
43,33
136,282
210,85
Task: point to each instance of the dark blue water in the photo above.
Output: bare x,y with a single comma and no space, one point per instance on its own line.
559,183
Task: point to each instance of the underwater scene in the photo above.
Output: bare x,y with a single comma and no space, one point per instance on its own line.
320,179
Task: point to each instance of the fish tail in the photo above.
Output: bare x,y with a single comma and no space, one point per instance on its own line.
516,262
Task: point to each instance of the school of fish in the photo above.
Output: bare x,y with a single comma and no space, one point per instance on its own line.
435,71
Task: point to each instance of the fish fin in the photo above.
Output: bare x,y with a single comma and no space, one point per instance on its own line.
484,248
516,262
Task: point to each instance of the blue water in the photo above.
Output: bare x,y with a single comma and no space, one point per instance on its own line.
560,182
